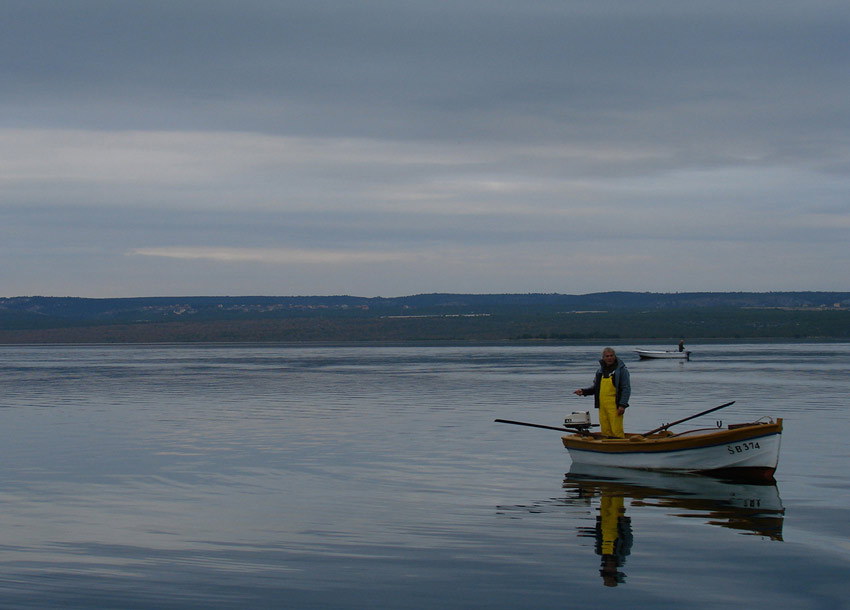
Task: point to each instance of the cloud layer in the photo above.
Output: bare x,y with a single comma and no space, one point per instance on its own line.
386,148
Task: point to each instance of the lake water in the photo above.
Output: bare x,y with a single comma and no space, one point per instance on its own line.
254,476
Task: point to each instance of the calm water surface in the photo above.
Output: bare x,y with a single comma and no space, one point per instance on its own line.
362,477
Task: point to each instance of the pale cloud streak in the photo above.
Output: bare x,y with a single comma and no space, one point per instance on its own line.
278,256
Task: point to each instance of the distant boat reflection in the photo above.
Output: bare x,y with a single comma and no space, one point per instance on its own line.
752,509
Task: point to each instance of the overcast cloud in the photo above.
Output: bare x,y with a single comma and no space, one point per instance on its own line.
398,147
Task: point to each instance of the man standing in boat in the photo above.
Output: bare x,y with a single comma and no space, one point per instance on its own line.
611,390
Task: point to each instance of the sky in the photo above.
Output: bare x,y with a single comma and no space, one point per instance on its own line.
398,147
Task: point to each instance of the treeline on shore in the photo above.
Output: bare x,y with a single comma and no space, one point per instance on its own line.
521,324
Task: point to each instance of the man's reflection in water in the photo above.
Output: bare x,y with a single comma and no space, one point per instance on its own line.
752,509
613,538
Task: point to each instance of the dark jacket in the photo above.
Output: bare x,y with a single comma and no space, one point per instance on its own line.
620,376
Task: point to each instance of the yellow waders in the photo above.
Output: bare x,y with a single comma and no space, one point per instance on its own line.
610,423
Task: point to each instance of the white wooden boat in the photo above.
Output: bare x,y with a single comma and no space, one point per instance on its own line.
743,451
646,354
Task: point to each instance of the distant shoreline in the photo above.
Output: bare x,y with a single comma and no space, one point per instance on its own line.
429,319
621,345
322,332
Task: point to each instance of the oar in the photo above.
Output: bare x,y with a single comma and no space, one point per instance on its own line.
665,426
522,423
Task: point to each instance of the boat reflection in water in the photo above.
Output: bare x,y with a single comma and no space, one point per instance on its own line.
750,508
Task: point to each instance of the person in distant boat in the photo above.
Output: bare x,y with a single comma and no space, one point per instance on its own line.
611,390
681,345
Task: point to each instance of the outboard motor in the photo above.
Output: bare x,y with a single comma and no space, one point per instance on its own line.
580,420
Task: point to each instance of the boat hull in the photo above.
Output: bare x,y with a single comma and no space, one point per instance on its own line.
749,451
648,354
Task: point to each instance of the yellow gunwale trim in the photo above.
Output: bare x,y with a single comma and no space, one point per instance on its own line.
662,442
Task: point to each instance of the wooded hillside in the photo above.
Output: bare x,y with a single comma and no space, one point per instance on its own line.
437,317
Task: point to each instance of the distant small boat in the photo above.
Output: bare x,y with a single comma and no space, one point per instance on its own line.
745,451
654,353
